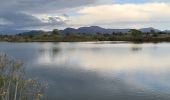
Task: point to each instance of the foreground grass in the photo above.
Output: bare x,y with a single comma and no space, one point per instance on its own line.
13,83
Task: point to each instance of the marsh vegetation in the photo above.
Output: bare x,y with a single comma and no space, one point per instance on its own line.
14,85
57,36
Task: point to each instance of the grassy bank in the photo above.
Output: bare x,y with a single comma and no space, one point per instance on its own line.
133,36
163,38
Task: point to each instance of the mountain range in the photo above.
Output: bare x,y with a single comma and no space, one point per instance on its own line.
90,30
95,29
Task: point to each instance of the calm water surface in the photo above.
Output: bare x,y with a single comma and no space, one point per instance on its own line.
97,70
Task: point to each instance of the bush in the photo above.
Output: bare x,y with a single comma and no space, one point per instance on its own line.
136,33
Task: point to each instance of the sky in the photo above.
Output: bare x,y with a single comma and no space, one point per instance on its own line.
50,14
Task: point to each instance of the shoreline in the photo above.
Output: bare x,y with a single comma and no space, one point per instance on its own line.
85,38
132,41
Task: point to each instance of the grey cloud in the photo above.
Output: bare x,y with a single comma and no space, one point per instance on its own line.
19,18
55,20
159,0
18,14
26,21
42,6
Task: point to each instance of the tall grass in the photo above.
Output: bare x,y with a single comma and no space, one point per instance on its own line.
13,83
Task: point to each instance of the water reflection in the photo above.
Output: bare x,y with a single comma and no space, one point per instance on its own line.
78,84
136,47
98,71
110,57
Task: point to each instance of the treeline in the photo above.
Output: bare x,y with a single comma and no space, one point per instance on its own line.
57,36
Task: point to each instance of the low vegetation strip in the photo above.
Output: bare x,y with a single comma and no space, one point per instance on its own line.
56,36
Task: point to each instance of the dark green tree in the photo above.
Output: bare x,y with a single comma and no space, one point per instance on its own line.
135,33
154,34
55,32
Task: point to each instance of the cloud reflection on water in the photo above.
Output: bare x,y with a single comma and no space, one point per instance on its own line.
144,67
98,71
104,58
79,84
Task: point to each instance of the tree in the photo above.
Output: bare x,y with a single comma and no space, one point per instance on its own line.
98,33
113,33
154,34
135,33
152,31
55,32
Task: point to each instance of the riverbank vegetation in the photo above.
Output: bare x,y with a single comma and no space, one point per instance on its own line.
57,36
13,83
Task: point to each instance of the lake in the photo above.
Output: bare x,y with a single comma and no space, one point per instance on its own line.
97,70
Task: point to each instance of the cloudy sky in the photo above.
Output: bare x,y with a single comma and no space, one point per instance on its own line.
49,14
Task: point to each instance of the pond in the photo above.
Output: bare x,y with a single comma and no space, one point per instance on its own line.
97,70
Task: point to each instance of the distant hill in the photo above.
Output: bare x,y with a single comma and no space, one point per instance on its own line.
168,31
95,29
90,30
34,32
12,31
149,29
